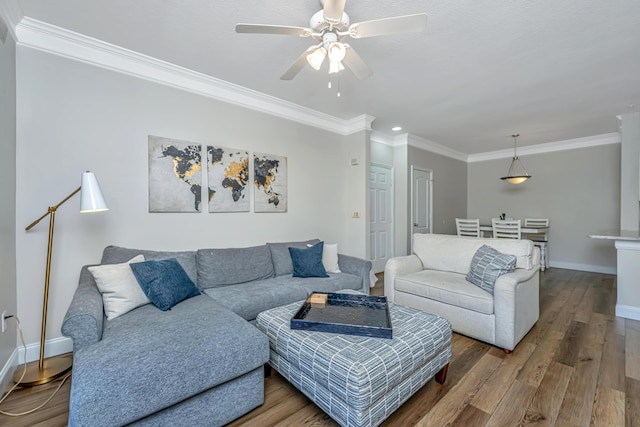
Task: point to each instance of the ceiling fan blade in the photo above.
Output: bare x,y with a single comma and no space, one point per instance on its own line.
297,65
273,29
397,24
333,10
355,63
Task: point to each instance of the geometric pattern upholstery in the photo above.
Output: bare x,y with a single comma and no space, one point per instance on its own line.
358,381
487,265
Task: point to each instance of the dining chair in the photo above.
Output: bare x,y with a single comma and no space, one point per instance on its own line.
468,227
541,240
506,229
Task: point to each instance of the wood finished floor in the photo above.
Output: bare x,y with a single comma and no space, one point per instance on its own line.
578,366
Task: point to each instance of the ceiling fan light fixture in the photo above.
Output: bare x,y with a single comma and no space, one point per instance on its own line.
336,51
316,58
335,67
517,173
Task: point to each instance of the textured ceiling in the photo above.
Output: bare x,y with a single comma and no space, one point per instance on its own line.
549,70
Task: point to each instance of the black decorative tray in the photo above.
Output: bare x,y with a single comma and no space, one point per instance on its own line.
349,314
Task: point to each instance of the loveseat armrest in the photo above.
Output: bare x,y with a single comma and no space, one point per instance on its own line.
357,266
85,315
399,266
516,305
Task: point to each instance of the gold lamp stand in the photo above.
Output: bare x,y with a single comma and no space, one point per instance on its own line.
47,370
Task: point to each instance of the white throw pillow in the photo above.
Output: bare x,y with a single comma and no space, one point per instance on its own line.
120,290
330,258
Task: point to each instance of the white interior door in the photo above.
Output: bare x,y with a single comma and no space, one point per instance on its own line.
421,185
381,214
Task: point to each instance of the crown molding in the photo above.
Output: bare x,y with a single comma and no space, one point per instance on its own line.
68,44
11,14
417,142
550,147
434,147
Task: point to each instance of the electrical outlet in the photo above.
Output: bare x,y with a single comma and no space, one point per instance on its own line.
4,323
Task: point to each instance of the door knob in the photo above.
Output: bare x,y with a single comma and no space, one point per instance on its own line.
415,224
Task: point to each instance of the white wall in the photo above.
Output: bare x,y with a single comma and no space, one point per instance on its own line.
630,171
578,190
8,205
73,116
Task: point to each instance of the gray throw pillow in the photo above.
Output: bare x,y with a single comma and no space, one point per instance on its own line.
487,265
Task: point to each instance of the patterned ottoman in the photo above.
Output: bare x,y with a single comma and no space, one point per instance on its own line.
359,381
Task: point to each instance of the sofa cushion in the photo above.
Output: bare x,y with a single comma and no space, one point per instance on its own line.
307,262
454,253
165,356
164,282
222,267
446,287
337,282
487,265
249,299
119,288
118,254
282,259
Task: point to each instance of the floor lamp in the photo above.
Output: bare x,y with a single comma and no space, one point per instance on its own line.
46,370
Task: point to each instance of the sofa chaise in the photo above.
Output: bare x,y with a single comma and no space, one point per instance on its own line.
199,363
433,279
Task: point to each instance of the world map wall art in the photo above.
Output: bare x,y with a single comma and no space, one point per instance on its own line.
270,183
176,178
228,179
175,175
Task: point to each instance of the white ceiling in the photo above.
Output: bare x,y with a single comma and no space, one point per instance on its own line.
484,69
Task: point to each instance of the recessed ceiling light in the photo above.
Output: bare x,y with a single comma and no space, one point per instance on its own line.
396,128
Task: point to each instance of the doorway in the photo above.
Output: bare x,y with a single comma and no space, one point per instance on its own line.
381,215
421,201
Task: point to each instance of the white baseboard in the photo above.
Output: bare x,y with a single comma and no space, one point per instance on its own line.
584,267
628,311
7,371
52,347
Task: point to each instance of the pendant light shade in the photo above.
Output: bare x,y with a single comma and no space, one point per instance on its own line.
517,173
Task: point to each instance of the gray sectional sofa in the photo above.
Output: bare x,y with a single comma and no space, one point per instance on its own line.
199,363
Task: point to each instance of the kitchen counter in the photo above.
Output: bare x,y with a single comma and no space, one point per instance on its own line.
627,244
628,235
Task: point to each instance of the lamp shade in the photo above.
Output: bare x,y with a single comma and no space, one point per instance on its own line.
91,198
316,58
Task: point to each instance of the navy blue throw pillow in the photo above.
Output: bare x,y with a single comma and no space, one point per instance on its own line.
307,262
164,282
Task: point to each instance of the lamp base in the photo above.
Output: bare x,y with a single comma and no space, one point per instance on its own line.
53,368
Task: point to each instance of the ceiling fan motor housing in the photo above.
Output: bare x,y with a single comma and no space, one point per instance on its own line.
319,24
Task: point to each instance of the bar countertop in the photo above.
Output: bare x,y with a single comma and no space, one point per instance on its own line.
629,235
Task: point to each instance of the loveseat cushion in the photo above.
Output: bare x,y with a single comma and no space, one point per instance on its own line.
446,287
454,253
117,255
167,357
281,258
223,267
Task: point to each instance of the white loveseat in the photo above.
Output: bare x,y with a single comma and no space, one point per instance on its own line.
432,279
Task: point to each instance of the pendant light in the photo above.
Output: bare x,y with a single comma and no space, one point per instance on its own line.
517,174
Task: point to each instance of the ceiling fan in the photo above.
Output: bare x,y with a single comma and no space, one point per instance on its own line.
330,26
